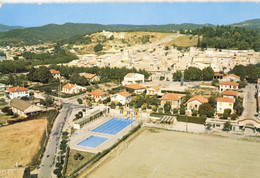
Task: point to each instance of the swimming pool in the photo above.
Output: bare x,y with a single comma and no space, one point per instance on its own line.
113,126
93,141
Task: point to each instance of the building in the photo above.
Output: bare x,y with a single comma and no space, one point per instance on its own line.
231,78
17,92
194,102
224,103
55,74
72,88
18,172
172,98
218,76
98,95
230,94
122,97
91,77
138,89
154,90
228,86
133,78
24,108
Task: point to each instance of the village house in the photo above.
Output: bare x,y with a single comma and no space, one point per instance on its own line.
154,90
17,92
172,98
133,78
23,108
231,78
218,76
98,95
55,74
138,89
224,103
91,77
194,102
122,97
228,86
230,94
72,88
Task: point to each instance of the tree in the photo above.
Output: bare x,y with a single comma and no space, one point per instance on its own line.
226,113
242,84
194,113
182,109
98,47
205,109
233,116
41,74
238,106
209,125
167,107
113,105
111,37
215,82
177,76
227,126
79,100
175,111
207,74
154,108
11,80
25,98
47,102
193,74
166,48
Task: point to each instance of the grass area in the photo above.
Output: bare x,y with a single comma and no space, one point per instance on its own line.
75,164
184,41
3,118
163,153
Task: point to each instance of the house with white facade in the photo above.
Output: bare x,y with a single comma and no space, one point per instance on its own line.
55,74
230,94
138,89
17,92
154,90
225,103
231,78
133,78
122,97
98,95
72,88
228,86
172,98
194,102
24,108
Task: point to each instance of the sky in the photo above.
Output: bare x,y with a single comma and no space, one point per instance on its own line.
29,15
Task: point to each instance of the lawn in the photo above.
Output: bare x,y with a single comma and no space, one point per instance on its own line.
184,41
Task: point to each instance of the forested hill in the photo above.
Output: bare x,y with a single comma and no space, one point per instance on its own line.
54,32
249,24
6,27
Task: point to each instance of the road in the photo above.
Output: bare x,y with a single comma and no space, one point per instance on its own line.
249,102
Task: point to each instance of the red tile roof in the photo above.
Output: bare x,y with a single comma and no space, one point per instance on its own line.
218,74
97,93
199,98
259,102
233,75
258,81
14,89
134,86
171,96
230,93
228,83
89,76
226,99
155,88
69,86
124,94
54,71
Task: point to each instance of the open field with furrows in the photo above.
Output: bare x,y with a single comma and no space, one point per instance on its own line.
162,153
20,142
184,41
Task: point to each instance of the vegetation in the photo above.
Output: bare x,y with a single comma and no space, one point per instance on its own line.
177,76
238,106
250,72
206,109
195,74
141,100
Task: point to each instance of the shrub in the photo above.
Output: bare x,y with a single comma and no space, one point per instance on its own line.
182,110
175,111
79,101
194,113
233,116
208,126
227,126
76,157
81,157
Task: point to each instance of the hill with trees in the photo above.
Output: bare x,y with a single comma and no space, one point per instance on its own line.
7,28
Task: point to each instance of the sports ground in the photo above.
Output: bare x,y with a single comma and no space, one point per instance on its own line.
162,153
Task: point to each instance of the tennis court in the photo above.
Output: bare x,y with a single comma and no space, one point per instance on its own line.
93,141
113,126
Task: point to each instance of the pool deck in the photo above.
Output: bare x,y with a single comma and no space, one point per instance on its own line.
86,132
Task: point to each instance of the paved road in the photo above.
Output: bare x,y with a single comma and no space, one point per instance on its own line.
249,102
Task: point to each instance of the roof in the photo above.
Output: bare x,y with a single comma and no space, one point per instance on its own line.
16,172
228,83
252,119
14,89
218,74
132,74
97,93
69,86
171,96
20,104
154,87
199,98
134,86
226,99
258,81
89,76
259,101
54,71
232,75
230,92
124,94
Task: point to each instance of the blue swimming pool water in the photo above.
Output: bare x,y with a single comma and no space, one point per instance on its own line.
93,141
113,126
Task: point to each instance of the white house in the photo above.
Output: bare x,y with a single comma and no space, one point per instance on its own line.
133,78
55,74
98,95
230,94
17,92
228,86
23,108
122,97
154,90
231,78
172,98
72,88
194,102
225,103
138,89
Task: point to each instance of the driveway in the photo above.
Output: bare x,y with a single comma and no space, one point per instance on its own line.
249,102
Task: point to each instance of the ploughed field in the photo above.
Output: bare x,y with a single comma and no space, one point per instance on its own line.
162,153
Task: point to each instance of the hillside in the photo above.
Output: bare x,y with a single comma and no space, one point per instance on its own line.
249,24
7,28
